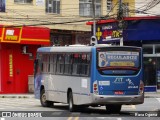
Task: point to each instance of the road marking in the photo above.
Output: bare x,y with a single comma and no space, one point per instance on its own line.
133,106
76,118
119,118
2,118
101,117
158,99
70,118
129,107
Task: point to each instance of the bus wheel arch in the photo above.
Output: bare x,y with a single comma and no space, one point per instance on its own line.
70,100
43,100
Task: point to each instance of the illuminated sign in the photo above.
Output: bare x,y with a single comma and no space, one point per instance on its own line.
10,65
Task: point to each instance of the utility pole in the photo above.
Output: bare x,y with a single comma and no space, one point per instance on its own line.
120,21
93,38
94,21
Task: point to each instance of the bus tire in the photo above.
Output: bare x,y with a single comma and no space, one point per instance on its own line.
113,108
43,100
70,102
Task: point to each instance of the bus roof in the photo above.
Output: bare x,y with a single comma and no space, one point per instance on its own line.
65,49
73,48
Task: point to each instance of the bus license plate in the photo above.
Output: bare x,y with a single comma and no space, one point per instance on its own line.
118,92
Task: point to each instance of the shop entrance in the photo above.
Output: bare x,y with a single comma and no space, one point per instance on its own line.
151,73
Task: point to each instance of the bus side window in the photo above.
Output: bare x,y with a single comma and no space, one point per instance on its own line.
52,63
60,64
45,63
76,64
85,64
68,64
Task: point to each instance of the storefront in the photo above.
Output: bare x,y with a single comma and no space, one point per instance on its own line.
137,31
152,66
69,37
18,46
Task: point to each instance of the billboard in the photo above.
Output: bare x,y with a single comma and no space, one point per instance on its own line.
2,5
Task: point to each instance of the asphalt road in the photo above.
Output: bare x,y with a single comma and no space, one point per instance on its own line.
25,106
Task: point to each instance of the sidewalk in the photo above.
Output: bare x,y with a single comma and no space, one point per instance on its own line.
152,94
31,95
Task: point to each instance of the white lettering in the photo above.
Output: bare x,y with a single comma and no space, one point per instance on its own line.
119,57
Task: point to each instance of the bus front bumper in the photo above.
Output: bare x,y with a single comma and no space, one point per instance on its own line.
109,99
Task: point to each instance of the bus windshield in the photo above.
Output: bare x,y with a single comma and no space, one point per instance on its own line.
119,61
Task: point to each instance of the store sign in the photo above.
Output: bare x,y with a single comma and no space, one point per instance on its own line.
12,35
108,32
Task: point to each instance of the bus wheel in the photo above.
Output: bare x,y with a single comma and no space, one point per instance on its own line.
70,102
113,108
43,100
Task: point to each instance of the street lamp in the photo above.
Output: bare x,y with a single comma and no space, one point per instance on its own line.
93,40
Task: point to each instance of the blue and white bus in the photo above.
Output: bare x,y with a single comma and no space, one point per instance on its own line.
98,75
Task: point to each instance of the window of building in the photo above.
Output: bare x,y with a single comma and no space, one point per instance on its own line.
157,49
86,8
53,6
62,40
148,50
109,5
23,1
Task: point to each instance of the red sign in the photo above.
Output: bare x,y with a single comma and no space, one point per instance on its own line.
25,35
12,35
118,92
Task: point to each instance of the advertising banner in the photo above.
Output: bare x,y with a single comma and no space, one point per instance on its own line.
119,59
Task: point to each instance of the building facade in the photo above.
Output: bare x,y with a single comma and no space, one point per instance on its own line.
65,18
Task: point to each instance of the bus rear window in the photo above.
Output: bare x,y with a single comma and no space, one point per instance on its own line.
118,61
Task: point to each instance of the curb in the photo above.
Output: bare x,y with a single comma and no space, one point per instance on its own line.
151,96
16,96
